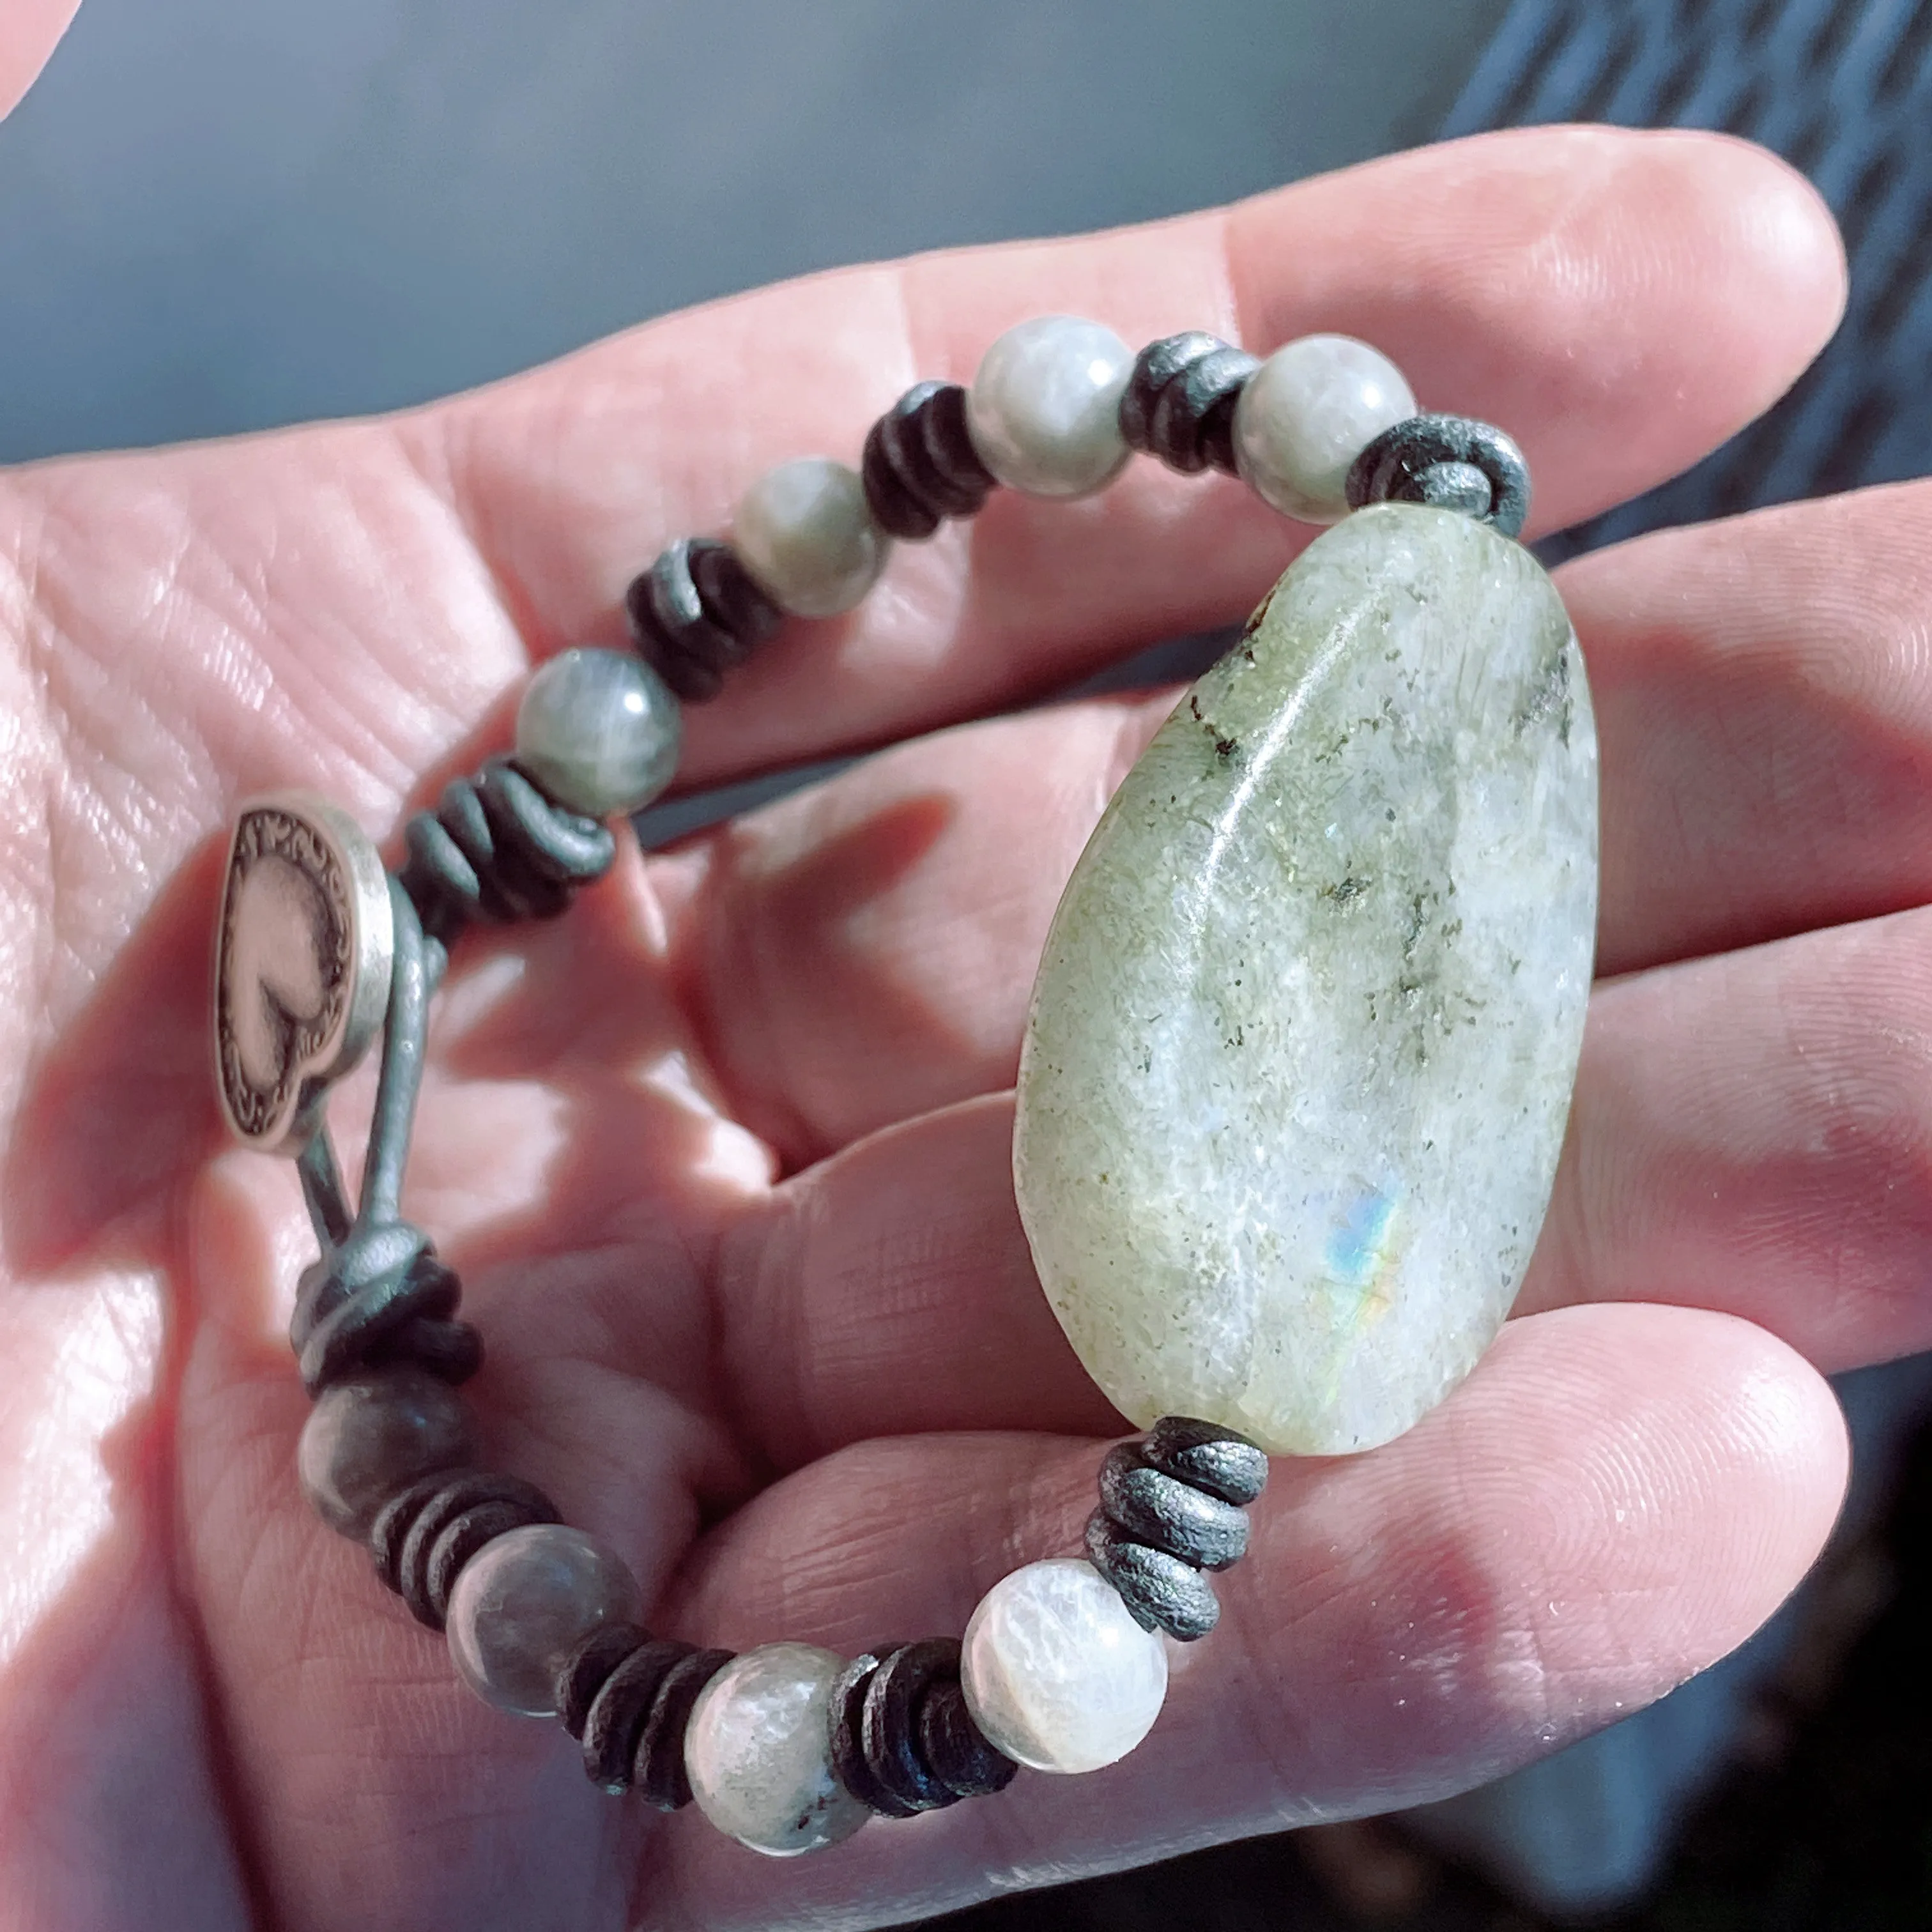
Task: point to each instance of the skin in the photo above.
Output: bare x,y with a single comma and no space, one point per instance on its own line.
722,1155
28,35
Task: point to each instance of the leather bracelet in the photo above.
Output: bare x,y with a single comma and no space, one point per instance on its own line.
1409,697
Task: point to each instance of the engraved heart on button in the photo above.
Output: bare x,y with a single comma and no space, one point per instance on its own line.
302,976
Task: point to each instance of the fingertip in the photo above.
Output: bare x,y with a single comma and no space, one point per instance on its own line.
1621,301
1782,253
29,34
1715,1459
1732,278
1786,1423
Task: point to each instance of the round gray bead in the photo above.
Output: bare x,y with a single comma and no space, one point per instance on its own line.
1044,410
1306,413
599,731
758,1751
374,1434
1057,1671
524,1602
805,532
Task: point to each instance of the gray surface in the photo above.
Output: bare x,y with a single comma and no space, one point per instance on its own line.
219,214
1844,89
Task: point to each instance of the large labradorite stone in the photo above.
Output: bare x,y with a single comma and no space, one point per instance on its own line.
1302,1044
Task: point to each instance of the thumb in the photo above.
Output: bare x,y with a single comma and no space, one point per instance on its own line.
30,30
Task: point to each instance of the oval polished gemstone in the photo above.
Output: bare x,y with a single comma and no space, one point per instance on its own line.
1299,1057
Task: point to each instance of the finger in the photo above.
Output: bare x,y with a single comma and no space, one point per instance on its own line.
1620,302
1765,711
29,34
862,951
889,1291
1753,1132
1614,1500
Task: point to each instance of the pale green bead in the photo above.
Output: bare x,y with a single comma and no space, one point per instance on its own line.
523,1603
374,1435
599,731
1057,1672
758,1750
804,530
1044,410
1295,1079
1305,415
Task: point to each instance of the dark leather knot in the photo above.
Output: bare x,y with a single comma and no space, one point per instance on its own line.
496,848
423,1535
380,1295
628,1696
903,1740
1172,1506
1179,404
697,613
920,466
1454,463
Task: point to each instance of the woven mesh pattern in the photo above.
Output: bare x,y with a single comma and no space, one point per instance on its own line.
1844,92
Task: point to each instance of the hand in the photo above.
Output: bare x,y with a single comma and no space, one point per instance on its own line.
722,1155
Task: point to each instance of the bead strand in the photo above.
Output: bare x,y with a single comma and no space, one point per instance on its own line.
1324,424
1063,1666
1059,1668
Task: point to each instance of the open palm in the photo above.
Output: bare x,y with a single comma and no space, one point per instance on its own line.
722,1155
